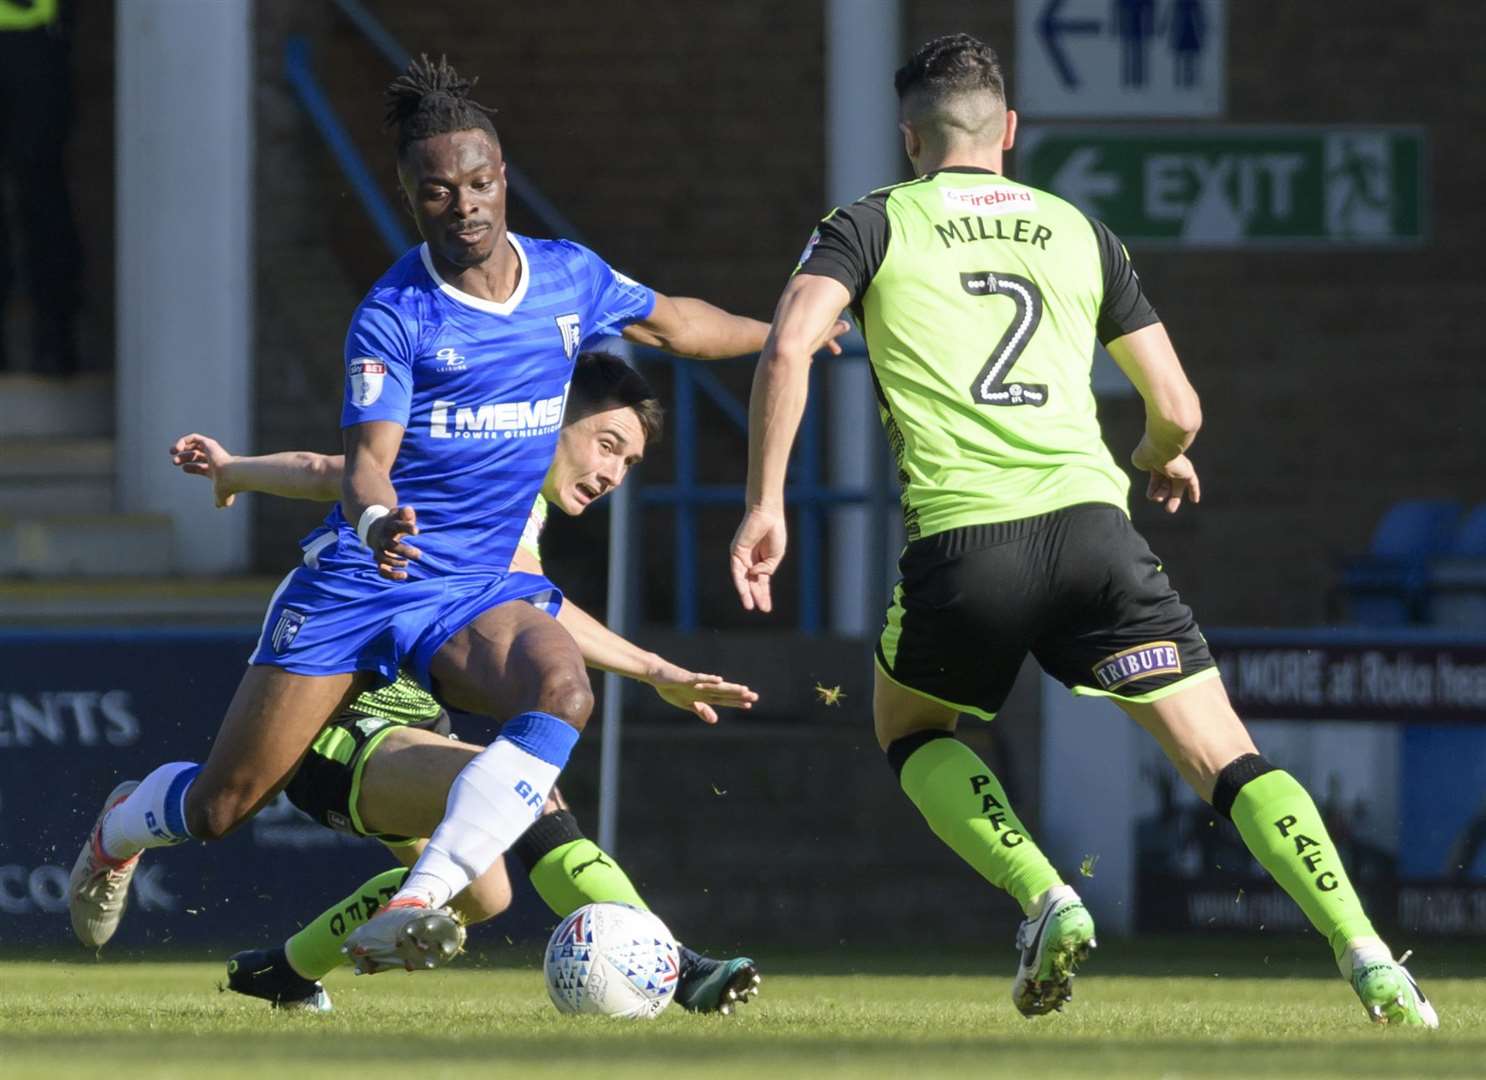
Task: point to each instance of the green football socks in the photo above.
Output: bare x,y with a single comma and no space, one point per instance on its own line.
569,870
967,808
579,872
315,951
1283,829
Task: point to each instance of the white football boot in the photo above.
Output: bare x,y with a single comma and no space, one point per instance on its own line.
98,890
1053,942
405,934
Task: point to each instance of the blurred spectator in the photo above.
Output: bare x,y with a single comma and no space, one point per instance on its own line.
35,207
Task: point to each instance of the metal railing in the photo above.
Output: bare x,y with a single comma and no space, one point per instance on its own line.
806,493
546,211
300,73
693,384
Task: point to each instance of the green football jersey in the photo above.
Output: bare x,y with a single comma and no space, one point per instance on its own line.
981,299
404,701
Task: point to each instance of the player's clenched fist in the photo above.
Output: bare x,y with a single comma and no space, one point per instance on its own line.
385,538
758,548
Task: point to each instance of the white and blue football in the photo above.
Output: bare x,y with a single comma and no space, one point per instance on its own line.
612,960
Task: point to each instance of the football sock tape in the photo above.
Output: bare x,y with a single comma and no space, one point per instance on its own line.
900,750
546,833
1234,776
569,870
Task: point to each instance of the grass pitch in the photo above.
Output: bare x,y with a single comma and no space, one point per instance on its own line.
125,1020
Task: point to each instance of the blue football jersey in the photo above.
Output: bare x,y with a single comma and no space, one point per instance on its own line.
480,389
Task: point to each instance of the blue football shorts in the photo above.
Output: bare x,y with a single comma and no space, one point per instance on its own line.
334,613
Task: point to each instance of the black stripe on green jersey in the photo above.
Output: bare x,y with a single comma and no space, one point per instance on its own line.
981,300
852,241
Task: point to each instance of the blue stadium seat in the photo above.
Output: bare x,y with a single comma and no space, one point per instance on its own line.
1416,529
1469,541
1457,581
1388,586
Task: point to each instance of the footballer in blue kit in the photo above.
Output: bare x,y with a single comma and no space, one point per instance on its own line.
457,369
479,390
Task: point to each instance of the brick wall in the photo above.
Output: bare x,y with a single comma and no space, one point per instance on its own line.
685,141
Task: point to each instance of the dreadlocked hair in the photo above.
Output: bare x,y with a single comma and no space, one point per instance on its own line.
431,98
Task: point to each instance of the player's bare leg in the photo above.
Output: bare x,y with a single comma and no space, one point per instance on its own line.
271,722
511,661
273,718
1207,742
404,789
967,808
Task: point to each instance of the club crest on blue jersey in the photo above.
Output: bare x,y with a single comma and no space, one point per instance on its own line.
286,630
572,333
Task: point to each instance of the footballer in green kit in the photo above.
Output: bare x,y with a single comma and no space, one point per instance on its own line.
981,300
383,768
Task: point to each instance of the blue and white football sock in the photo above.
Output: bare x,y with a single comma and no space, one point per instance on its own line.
154,814
492,801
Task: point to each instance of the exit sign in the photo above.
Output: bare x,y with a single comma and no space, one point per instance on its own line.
1235,187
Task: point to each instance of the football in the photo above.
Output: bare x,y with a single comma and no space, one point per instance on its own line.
612,960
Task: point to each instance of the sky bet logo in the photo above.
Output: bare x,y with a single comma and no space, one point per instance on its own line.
1156,658
502,420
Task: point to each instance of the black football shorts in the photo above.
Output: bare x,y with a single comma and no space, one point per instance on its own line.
327,784
1078,588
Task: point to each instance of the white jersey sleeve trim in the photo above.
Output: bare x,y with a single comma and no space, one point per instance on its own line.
474,301
536,521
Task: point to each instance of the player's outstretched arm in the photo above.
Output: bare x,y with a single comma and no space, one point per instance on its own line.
369,499
1173,414
808,311
293,474
605,650
686,326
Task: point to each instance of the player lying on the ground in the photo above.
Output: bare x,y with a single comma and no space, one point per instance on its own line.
457,367
383,768
1019,536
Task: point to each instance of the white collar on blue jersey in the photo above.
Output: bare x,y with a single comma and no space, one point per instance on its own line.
474,301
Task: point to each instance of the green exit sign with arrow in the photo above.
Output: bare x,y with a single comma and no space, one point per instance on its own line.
1236,187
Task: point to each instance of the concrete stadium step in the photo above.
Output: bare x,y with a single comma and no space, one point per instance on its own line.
80,407
86,545
236,601
40,476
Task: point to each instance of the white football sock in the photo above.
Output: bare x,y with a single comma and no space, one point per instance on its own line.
1047,896
1362,951
154,814
492,801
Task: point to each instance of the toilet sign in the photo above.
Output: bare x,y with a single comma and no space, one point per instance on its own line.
1236,186
1129,58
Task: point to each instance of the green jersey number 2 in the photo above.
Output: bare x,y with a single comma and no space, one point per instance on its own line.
991,386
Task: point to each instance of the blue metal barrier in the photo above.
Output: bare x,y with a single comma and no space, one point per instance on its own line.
805,493
322,114
530,196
